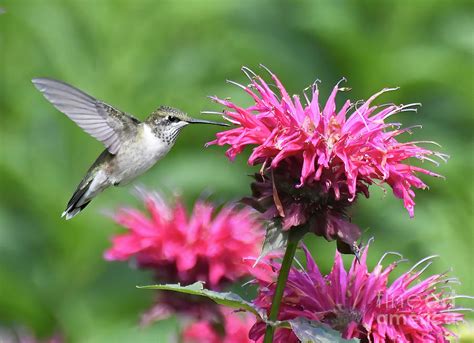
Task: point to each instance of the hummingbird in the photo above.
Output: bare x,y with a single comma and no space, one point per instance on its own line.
132,146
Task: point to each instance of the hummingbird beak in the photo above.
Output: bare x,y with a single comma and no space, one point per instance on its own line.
199,121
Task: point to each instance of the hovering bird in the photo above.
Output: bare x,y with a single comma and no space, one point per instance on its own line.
132,146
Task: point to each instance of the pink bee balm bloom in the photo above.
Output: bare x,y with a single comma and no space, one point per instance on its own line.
361,304
347,148
231,328
208,245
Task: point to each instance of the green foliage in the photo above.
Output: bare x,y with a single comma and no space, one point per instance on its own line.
314,332
138,55
275,239
227,299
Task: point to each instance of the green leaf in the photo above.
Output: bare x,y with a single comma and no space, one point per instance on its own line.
228,299
275,239
309,331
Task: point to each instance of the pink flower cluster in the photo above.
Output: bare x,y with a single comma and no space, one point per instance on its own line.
316,159
206,246
351,147
209,245
361,304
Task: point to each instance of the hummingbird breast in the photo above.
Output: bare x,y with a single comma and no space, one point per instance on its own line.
138,155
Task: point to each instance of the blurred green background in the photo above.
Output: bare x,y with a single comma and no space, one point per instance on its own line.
137,55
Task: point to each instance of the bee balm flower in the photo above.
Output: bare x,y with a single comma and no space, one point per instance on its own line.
362,304
317,158
208,246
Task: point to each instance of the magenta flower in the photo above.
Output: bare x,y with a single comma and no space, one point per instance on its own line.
230,328
362,304
206,246
341,150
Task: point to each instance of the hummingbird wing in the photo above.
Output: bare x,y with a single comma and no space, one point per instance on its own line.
100,120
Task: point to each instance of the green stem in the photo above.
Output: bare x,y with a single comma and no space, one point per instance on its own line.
280,286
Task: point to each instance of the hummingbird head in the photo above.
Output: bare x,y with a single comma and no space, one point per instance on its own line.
172,117
168,121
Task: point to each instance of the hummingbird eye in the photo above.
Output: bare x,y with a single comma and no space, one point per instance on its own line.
173,119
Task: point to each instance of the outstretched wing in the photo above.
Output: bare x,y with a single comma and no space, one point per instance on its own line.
100,120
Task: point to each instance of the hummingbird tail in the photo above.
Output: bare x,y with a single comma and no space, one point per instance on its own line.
69,213
78,201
